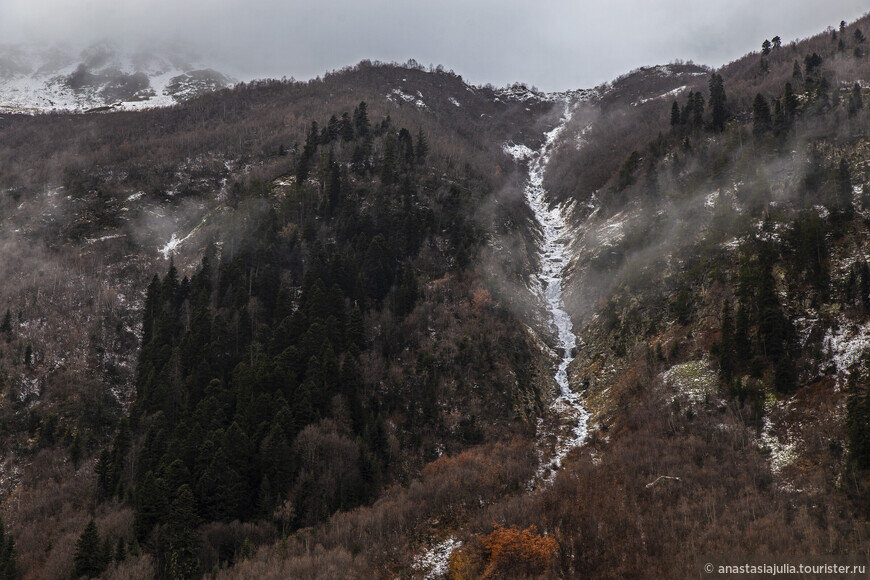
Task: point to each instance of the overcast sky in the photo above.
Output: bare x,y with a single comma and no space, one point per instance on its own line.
554,44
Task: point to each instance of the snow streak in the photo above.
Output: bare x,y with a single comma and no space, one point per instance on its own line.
548,283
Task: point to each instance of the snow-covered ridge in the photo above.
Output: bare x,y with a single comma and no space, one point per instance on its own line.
38,79
521,93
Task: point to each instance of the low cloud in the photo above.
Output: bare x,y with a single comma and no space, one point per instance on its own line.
556,44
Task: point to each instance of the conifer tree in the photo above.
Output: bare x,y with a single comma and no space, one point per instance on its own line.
182,538
6,326
726,344
8,566
858,421
88,558
780,121
761,119
717,103
675,114
789,102
843,184
421,147
856,101
698,110
361,120
765,47
796,72
346,128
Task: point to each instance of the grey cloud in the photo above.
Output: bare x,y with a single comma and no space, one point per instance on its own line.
554,44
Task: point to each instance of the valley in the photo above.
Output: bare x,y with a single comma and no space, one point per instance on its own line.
390,323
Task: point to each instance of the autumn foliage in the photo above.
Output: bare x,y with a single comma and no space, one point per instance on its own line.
505,552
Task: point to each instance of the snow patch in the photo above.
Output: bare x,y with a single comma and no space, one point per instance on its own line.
695,380
104,238
173,244
672,93
397,95
781,454
433,563
847,345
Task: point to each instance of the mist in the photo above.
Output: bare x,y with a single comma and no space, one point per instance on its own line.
555,45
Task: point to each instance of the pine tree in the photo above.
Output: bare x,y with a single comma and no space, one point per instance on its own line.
120,550
406,293
88,558
8,566
421,147
784,375
856,101
361,120
388,163
797,73
843,184
698,110
675,114
765,47
6,326
789,102
717,103
864,286
777,41
346,128
726,344
761,119
859,36
182,538
858,422
780,120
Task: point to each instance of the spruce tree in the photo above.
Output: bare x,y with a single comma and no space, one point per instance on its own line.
717,103
346,128
742,345
361,120
780,120
843,184
698,110
796,72
726,344
761,119
421,147
8,566
856,101
88,558
181,536
6,326
789,102
858,422
784,375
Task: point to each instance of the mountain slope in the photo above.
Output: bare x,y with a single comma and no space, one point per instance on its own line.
100,77
345,362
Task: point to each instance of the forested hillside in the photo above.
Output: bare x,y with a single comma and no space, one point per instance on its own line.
304,329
